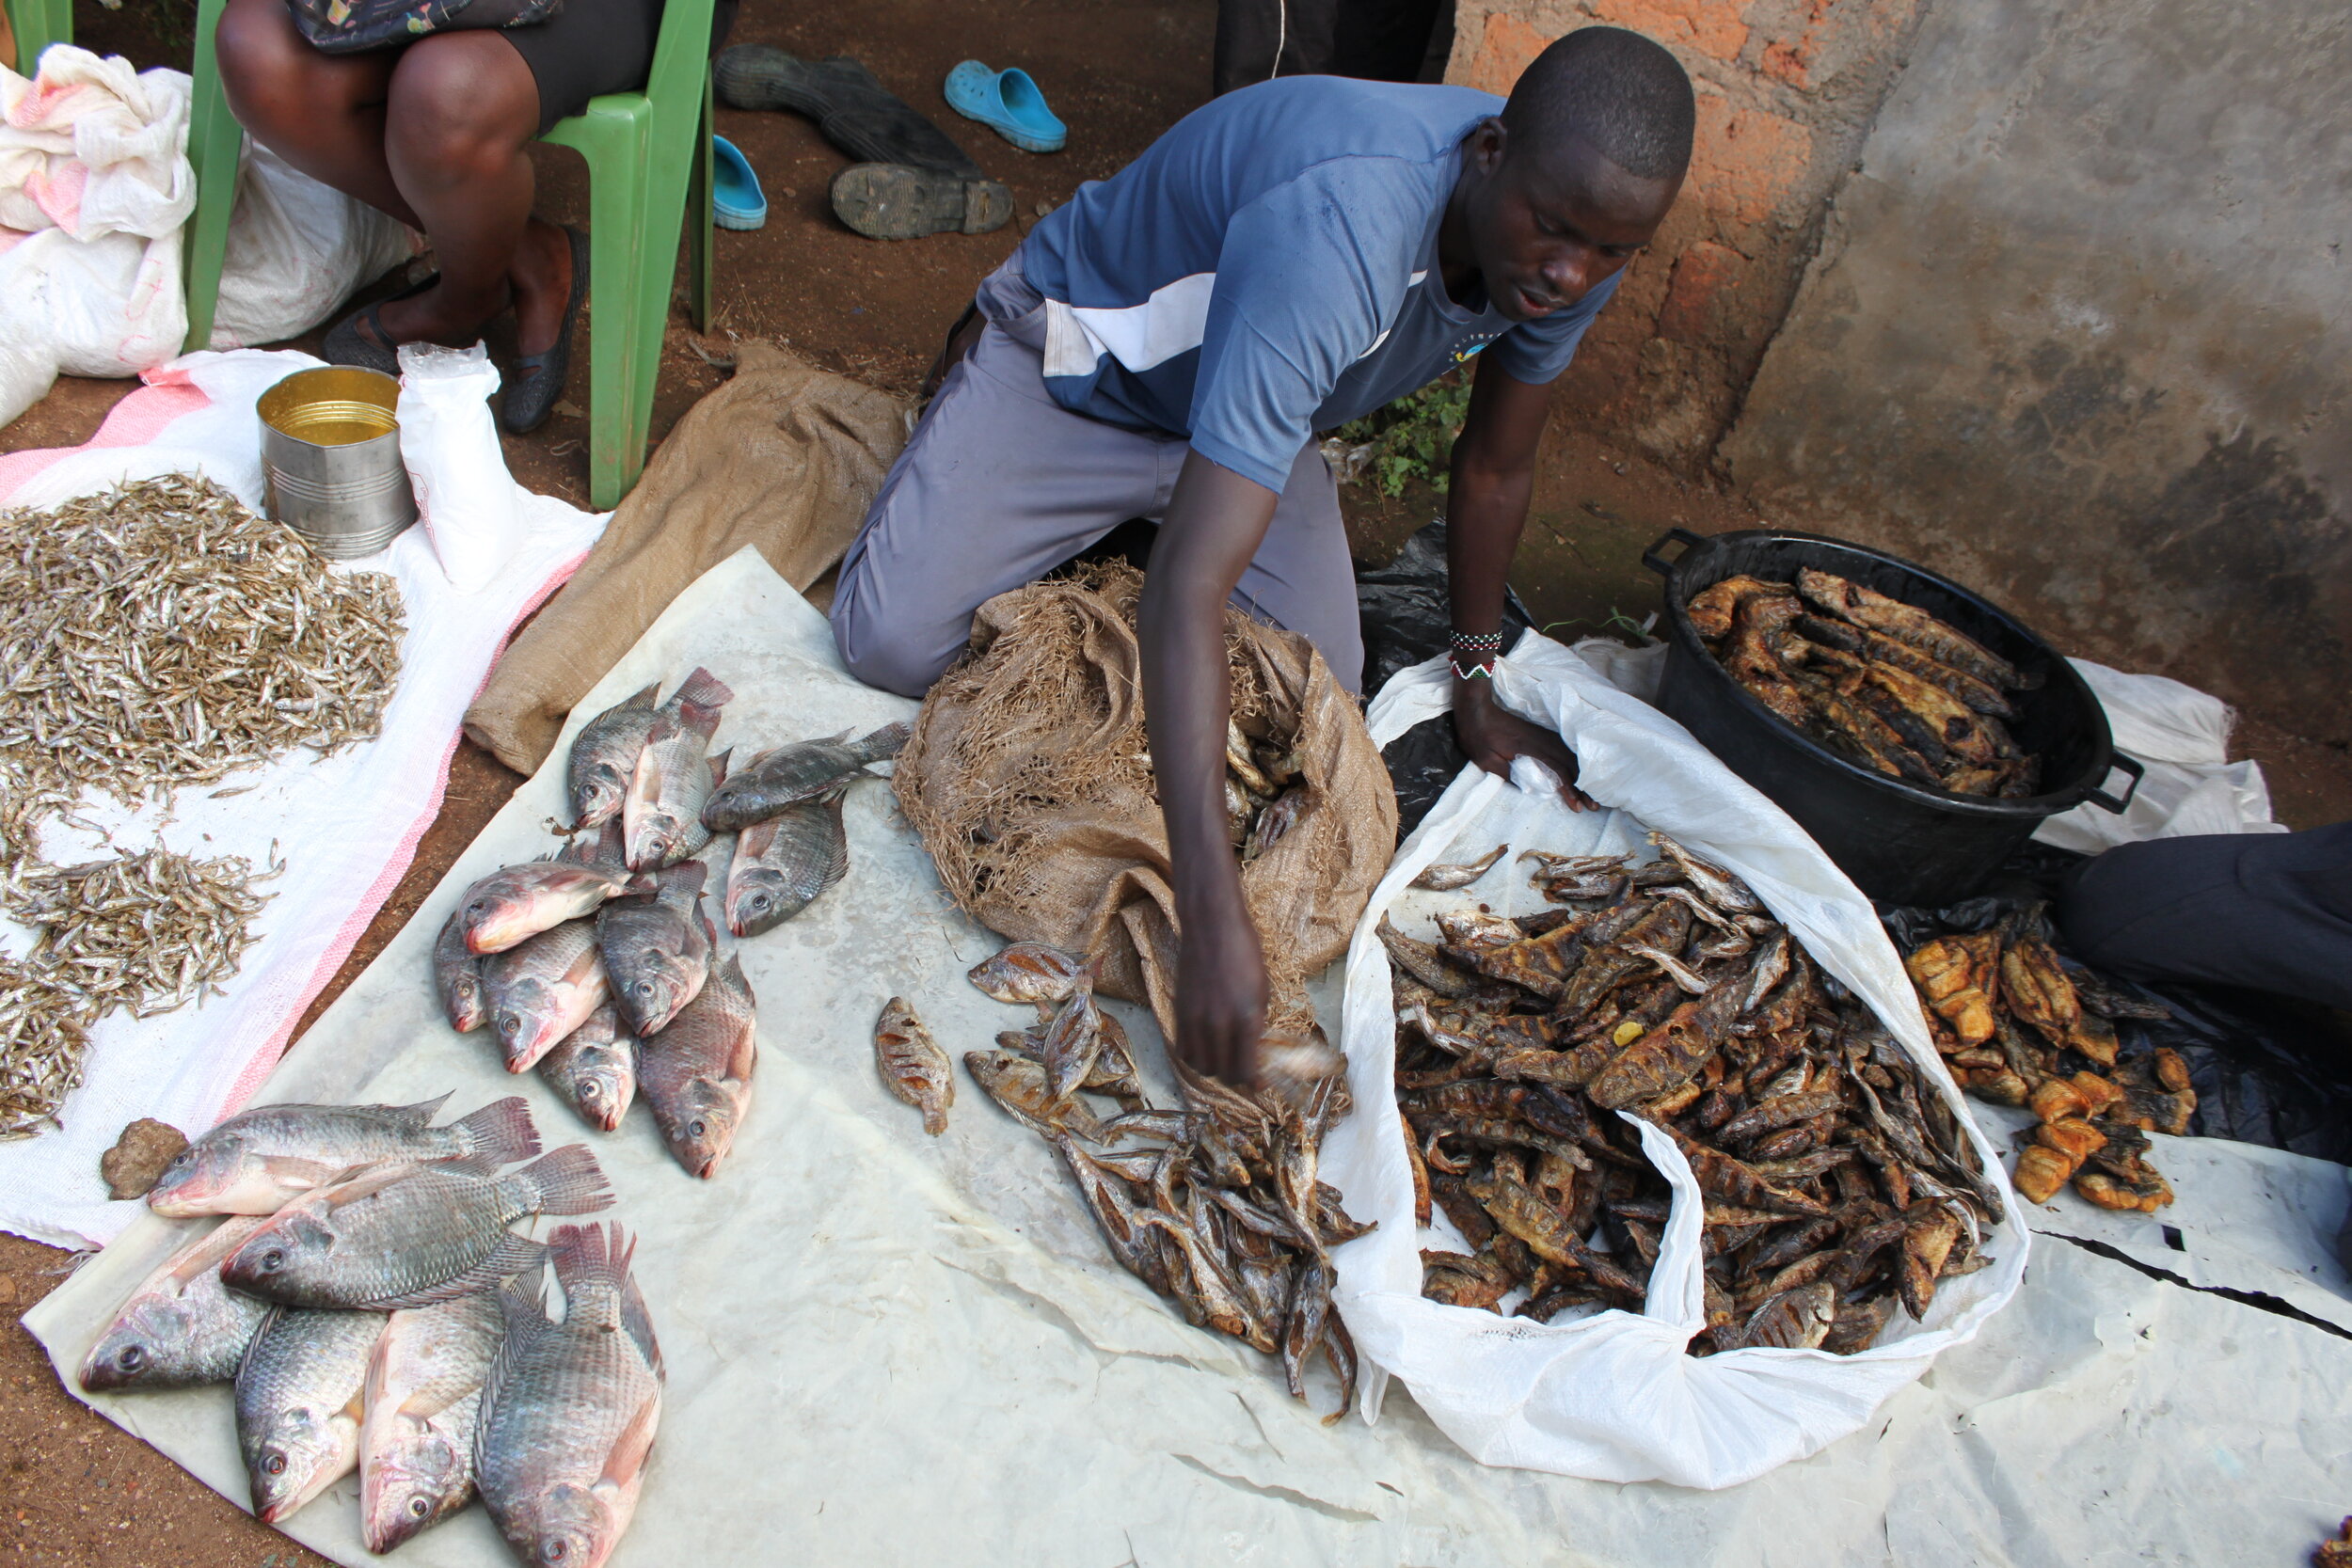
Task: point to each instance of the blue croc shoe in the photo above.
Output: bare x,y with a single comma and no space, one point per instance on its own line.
1008,104
736,199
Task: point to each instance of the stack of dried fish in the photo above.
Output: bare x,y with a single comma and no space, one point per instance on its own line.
2020,1026
362,1295
1837,1180
1216,1206
1879,682
1264,794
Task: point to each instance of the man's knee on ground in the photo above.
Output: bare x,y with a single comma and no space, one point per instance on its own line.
878,658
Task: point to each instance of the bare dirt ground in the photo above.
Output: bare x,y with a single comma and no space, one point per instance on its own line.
77,1491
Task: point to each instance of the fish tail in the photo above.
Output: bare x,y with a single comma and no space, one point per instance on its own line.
719,767
500,1131
568,1182
703,689
587,1256
884,742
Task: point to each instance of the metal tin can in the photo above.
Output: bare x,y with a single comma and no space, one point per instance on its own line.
330,460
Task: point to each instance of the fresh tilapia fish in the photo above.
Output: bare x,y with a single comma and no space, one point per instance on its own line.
801,771
1445,879
543,989
423,1392
661,814
410,1235
604,755
1031,972
782,864
656,946
517,902
570,1409
259,1161
182,1327
913,1066
298,1405
595,1068
457,976
696,1074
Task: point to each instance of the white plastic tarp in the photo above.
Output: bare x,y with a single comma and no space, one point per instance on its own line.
346,826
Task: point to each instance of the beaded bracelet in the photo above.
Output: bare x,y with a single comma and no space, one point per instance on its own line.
1482,649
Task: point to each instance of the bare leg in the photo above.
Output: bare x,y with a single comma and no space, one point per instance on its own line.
324,114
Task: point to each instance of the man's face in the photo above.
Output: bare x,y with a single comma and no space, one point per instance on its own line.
1546,227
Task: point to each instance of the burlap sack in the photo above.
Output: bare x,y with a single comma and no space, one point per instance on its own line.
1029,781
784,456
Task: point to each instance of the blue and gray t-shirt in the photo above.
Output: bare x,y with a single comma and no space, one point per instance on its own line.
1269,269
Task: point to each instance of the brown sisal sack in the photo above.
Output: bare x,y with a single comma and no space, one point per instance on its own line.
1029,780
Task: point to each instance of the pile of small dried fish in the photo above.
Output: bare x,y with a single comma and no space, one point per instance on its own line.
149,933
362,1298
2019,1025
1217,1205
1264,794
1837,1180
162,635
1879,682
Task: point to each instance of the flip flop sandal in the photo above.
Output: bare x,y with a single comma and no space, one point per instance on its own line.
346,344
537,379
736,200
891,202
1008,103
856,113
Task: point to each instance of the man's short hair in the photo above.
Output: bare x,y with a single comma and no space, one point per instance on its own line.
1620,91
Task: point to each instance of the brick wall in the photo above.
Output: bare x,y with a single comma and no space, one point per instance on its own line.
1786,90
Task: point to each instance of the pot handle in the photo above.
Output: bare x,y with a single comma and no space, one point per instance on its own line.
1658,563
2128,764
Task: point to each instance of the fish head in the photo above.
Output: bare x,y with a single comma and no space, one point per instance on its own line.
649,988
603,1084
702,1126
597,796
138,1341
731,805
757,901
415,1476
278,1251
653,838
297,1454
222,1174
527,1025
462,998
566,1526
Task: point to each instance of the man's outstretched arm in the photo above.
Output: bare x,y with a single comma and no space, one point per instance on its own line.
1214,522
1493,474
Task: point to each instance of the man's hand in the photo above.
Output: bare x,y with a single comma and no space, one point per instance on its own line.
1490,737
1221,994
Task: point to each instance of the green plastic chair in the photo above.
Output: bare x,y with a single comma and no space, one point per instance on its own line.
648,154
38,24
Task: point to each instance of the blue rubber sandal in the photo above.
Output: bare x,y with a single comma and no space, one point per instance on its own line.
736,200
1008,104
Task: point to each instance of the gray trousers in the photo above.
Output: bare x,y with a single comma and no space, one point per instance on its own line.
1000,484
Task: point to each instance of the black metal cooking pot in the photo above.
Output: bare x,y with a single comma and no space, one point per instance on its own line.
1901,844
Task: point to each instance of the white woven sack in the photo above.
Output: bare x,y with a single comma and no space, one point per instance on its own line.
1613,1396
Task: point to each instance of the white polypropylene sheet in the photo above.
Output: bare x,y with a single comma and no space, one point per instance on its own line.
346,826
2181,737
891,1350
1613,1396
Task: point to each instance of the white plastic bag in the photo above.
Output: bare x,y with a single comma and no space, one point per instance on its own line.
296,250
2181,737
450,448
1613,1397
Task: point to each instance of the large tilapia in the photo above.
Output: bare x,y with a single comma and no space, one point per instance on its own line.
782,864
417,1430
457,976
656,946
517,902
696,1074
801,772
298,1405
543,989
661,814
182,1327
913,1066
410,1235
604,755
259,1161
595,1068
570,1409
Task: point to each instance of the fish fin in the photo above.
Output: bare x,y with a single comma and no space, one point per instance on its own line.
376,1388
644,698
733,975
207,1255
304,1176
639,1323
369,1180
512,1255
703,689
422,1113
719,767
568,1182
743,1057
501,1130
628,1455
523,1309
269,1320
591,1257
882,744
753,841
